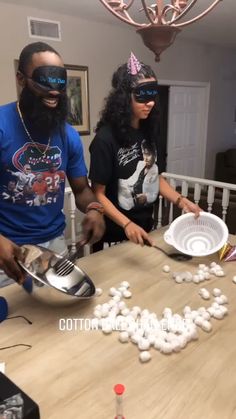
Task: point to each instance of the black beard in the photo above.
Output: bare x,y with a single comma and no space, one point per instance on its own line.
44,120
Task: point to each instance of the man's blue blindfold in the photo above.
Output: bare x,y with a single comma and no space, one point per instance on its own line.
50,77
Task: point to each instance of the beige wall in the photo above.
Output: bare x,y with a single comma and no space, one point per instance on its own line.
103,47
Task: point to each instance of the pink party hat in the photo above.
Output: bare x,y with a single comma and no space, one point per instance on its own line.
133,65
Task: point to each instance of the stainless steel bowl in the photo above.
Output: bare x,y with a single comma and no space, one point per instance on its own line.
43,282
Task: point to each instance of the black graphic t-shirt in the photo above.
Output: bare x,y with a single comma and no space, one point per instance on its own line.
131,177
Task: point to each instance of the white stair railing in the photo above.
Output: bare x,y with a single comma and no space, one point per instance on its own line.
198,186
187,184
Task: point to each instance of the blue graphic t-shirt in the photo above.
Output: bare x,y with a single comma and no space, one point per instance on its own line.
32,179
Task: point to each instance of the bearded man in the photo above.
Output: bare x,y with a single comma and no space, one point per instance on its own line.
34,134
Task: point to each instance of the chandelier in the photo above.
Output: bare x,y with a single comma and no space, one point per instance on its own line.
163,19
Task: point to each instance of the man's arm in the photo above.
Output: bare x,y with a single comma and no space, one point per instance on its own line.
9,253
93,222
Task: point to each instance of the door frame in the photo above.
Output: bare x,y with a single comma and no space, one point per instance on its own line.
206,86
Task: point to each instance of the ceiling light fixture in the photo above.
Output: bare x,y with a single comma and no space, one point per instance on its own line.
163,18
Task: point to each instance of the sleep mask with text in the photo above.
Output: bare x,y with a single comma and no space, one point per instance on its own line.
146,92
50,77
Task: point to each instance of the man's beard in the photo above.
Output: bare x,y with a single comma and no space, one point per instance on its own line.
43,119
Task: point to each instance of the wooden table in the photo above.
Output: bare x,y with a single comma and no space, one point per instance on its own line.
72,374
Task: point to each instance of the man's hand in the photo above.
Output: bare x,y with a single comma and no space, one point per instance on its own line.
9,253
93,227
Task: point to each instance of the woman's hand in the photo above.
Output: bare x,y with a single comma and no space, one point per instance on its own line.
136,234
188,206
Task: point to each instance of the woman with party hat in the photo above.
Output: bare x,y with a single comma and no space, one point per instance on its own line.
127,158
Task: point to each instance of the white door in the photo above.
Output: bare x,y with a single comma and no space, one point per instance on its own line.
187,127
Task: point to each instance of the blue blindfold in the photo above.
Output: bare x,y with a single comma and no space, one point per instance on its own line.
146,92
50,78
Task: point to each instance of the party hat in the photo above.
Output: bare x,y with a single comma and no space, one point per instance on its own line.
224,250
133,65
231,255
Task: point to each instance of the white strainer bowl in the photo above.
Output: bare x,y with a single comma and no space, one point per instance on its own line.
200,236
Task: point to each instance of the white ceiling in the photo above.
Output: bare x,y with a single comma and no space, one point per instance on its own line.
218,27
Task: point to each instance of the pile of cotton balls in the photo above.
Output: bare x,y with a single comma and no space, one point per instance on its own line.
203,273
169,333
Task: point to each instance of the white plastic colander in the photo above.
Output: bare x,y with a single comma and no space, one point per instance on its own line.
200,236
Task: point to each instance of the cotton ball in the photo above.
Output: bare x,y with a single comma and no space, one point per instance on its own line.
213,264
151,339
145,312
206,326
218,314
125,311
145,356
121,305
200,272
223,310
216,292
107,328
199,321
143,344
122,289
131,329
158,343
105,310
188,276
224,299
134,314
176,345
97,314
215,305
211,311
234,279
124,337
192,332
137,309
127,294
166,268
166,348
112,291
112,303
135,338
167,312
206,315
117,298
219,300
201,310
204,293
220,273
187,309
179,279
125,284
194,314
98,292
182,341
196,279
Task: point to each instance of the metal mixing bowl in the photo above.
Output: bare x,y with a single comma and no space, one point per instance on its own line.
44,284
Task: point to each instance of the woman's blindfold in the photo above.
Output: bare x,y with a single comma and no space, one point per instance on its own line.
146,92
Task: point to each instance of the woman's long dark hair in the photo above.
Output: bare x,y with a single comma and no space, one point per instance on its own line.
117,111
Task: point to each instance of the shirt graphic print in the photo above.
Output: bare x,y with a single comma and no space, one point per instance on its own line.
141,187
33,179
